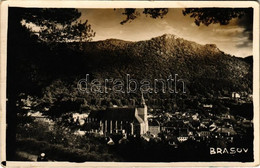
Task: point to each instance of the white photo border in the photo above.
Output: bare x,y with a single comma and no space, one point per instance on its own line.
125,4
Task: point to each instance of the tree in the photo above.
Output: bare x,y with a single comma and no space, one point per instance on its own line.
205,16
209,16
223,16
58,25
31,30
132,13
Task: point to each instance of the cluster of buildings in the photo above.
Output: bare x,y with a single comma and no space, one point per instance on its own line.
174,127
199,126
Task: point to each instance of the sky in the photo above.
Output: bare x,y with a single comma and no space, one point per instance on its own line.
231,38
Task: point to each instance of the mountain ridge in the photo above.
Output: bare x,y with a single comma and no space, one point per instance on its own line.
162,38
164,55
205,67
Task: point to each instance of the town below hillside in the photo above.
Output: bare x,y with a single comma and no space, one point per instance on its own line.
196,128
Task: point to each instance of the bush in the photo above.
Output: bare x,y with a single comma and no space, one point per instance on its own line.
59,143
60,153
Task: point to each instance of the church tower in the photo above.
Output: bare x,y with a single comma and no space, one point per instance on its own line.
142,112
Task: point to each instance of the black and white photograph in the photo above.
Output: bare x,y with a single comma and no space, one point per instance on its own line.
155,83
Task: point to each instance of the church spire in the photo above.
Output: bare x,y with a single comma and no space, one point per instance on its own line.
142,99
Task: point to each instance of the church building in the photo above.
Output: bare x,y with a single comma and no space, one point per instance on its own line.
128,120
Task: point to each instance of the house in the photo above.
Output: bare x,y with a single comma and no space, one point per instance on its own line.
207,106
235,95
154,127
226,131
204,133
183,135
